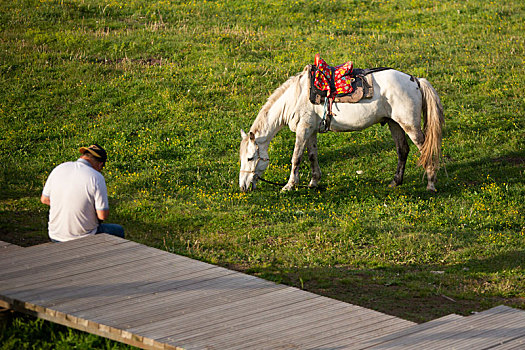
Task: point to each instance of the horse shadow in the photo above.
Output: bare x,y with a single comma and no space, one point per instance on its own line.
507,168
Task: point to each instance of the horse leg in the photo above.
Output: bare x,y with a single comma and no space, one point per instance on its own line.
302,135
431,178
311,146
402,149
418,138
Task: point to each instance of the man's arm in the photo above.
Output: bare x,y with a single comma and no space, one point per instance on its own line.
45,200
103,214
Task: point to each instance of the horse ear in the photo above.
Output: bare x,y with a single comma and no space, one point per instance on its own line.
243,134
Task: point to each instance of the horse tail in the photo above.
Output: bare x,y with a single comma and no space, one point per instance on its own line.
433,127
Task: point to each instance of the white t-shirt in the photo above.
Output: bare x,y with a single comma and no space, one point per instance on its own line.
75,191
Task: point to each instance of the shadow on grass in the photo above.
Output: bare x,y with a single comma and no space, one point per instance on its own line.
24,228
23,219
507,168
507,261
412,293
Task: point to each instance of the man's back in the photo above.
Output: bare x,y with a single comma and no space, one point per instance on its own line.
76,191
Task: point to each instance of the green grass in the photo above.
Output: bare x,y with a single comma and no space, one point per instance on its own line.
24,332
166,87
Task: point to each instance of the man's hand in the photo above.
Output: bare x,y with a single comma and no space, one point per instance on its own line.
102,214
45,200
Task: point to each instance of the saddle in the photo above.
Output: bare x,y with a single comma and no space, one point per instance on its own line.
341,84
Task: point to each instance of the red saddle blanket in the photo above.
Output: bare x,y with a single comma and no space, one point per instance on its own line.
335,80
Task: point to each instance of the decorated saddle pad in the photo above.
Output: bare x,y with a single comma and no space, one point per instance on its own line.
335,80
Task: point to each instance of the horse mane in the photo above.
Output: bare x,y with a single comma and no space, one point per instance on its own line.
261,119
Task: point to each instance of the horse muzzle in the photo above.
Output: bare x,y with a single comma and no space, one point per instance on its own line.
248,183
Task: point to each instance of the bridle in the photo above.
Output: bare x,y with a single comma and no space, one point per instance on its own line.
259,158
256,176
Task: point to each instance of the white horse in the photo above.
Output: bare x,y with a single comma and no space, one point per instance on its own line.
399,100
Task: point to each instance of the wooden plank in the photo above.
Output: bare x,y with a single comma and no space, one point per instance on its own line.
414,328
188,334
183,328
342,326
100,330
490,339
445,333
127,316
338,321
512,344
4,244
4,304
82,265
471,327
63,256
50,249
178,299
8,247
194,317
57,275
316,330
12,294
159,290
92,281
61,259
152,286
65,259
180,307
254,301
259,330
131,275
487,333
346,317
243,310
343,338
113,264
44,276
351,330
271,330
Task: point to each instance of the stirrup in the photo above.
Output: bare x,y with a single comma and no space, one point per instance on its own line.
324,125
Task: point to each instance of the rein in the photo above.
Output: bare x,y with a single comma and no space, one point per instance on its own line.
276,183
268,181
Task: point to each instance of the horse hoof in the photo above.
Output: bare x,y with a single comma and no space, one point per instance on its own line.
393,184
431,188
312,184
287,188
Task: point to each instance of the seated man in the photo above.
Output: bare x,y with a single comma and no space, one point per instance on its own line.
77,195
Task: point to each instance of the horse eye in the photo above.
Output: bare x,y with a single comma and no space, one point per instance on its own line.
251,158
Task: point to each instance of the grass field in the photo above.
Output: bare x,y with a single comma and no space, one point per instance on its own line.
166,87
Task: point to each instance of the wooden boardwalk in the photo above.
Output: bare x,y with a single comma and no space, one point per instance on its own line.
152,299
6,247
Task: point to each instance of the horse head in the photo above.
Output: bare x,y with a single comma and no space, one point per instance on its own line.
254,161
